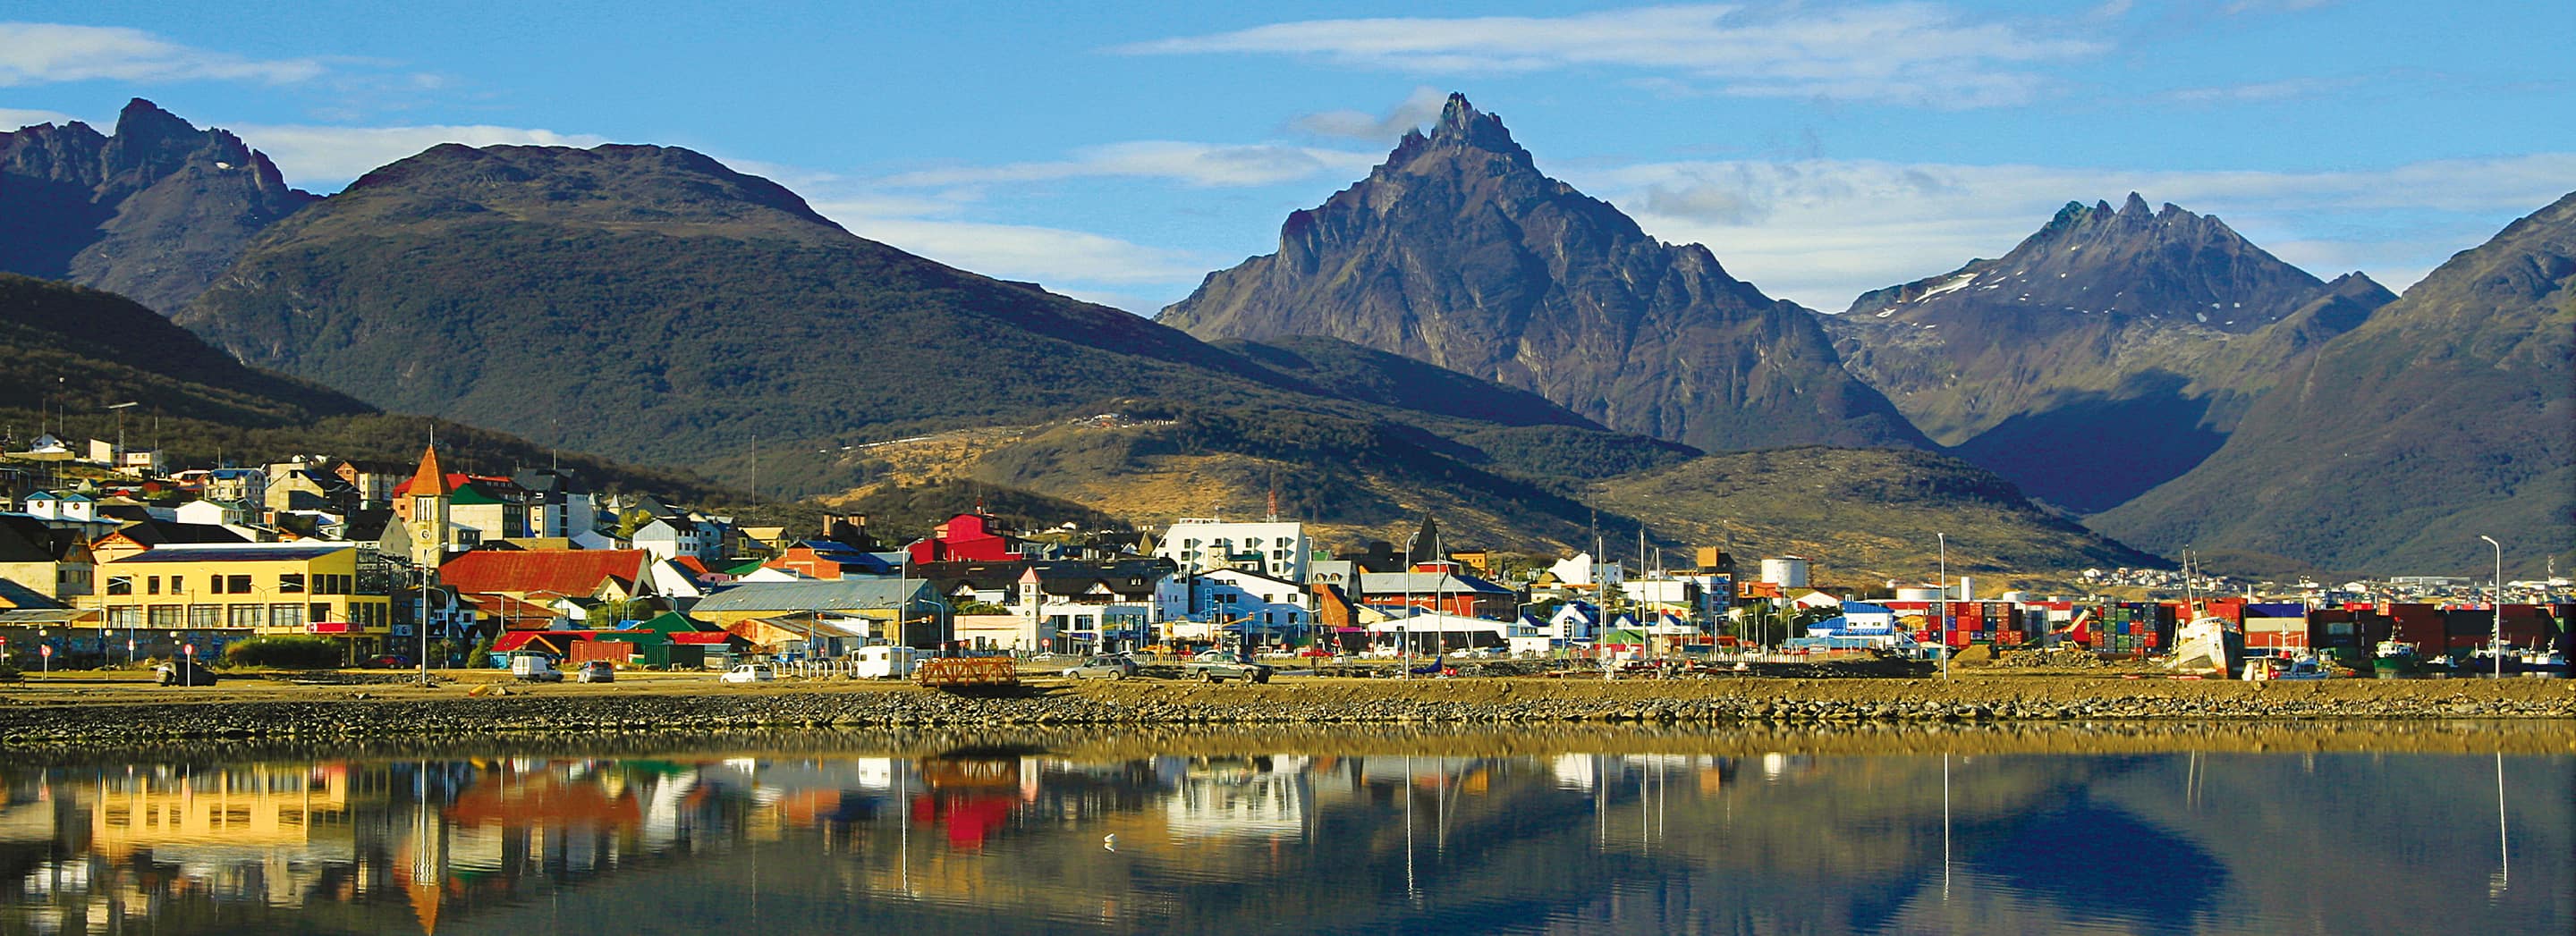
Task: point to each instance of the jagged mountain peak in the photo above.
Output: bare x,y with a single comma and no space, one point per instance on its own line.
1457,251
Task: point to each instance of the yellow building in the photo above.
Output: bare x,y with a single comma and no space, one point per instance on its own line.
230,591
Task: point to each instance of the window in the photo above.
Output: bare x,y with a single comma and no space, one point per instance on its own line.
178,585
202,617
290,582
244,616
215,584
290,616
167,617
120,584
127,618
152,585
317,611
237,584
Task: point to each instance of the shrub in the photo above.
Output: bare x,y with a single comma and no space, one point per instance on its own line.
287,652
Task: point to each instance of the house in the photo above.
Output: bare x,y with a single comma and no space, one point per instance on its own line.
557,502
515,589
233,515
375,481
303,488
233,591
71,506
967,537
1582,571
1436,586
239,485
676,536
829,559
1276,548
1435,632
44,560
924,617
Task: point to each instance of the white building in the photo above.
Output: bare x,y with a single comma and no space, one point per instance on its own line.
1276,548
1269,603
1584,572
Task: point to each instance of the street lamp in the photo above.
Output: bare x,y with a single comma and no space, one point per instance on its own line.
2499,604
1944,539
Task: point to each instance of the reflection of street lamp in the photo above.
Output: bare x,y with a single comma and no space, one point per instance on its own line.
2499,604
1944,539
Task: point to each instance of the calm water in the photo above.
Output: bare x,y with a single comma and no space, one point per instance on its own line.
992,839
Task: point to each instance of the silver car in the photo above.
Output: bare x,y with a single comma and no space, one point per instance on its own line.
1104,666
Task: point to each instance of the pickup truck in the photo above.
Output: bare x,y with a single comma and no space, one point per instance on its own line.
1215,666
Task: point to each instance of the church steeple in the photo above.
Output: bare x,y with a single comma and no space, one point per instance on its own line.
428,493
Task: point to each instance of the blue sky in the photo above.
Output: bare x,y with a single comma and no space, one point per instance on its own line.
1119,151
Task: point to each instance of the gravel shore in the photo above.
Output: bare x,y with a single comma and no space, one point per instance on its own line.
106,718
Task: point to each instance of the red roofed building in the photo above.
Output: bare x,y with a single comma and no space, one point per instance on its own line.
514,585
967,537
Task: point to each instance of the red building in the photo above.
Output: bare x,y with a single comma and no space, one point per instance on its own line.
967,537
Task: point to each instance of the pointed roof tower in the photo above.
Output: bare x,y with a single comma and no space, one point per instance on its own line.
429,481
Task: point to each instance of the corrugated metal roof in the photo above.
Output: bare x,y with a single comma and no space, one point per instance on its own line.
846,594
551,571
1377,584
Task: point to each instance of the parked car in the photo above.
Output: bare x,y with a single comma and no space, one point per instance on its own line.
750,673
388,661
1219,666
596,671
184,673
1104,666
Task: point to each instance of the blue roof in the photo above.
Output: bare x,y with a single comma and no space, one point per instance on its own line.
219,554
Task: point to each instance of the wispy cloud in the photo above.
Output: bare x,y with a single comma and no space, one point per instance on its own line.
1823,231
1416,109
1199,164
328,157
1023,252
14,118
45,53
1904,53
2283,90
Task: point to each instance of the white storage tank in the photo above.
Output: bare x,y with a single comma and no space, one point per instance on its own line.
1918,593
1786,571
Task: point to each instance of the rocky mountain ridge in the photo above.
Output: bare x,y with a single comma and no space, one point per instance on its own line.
153,212
1458,251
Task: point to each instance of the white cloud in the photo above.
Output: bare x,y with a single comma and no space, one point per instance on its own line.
44,53
1906,53
1418,108
14,118
2282,90
329,157
1076,263
1823,231
1198,164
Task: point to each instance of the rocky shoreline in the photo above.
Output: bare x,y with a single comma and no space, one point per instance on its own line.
450,714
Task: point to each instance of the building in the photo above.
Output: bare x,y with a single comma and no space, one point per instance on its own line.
557,503
924,617
1276,548
1437,586
233,591
967,537
44,560
1788,572
374,481
531,579
1266,604
677,536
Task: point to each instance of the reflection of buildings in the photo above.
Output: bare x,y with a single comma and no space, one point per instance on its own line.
1240,797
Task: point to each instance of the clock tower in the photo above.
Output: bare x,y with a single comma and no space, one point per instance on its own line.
427,494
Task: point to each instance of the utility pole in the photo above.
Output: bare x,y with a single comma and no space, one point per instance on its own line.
1944,539
2499,604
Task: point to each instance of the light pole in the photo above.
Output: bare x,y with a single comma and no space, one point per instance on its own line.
1944,539
2499,604
428,580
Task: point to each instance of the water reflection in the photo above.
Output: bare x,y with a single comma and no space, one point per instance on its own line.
1004,839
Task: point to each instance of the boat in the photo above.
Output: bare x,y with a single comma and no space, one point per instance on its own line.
2394,660
2208,646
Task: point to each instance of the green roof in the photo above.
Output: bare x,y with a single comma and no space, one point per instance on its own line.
472,495
673,622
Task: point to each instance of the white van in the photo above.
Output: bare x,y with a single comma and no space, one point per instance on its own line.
886,662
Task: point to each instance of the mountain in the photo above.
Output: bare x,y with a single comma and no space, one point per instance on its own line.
2105,354
153,212
1459,252
67,353
2445,416
650,303
1864,515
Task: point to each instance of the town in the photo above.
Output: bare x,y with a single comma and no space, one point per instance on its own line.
370,564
